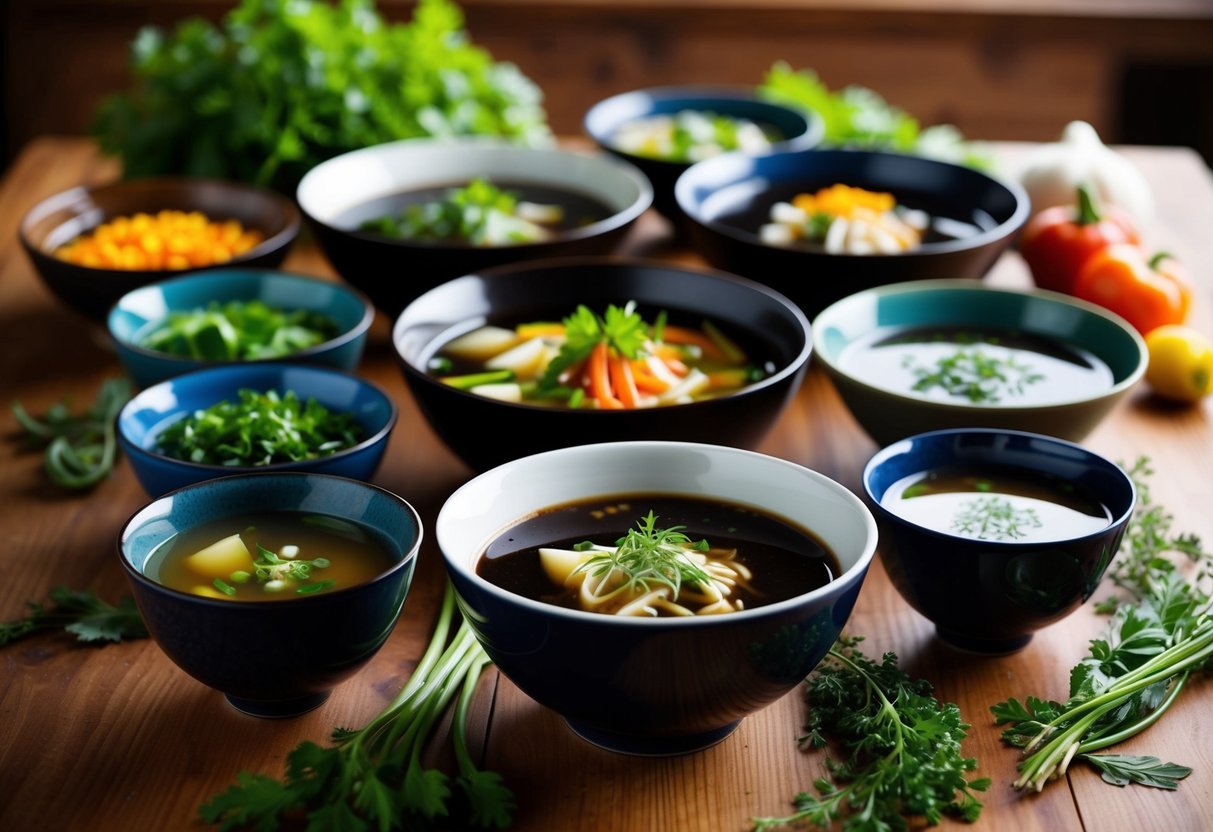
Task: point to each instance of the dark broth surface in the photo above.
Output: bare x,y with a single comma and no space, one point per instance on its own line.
786,560
578,210
355,554
976,365
996,505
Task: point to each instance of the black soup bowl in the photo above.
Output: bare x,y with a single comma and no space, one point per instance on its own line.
485,432
988,569
282,657
656,685
974,218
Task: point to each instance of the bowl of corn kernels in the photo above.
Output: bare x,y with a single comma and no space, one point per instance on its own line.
92,245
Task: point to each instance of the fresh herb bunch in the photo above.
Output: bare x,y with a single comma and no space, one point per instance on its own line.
79,612
373,777
260,428
975,375
649,557
239,330
621,328
858,117
1155,641
905,748
80,449
281,85
479,214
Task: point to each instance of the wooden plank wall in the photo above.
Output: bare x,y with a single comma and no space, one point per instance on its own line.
1137,69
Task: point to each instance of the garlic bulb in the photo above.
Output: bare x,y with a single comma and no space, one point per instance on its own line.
1052,173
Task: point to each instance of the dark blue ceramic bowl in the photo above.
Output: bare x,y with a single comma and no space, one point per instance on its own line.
642,685
990,596
151,411
142,309
798,130
727,200
314,641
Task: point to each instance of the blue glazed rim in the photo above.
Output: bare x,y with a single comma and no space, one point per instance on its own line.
258,369
701,180
1087,458
409,554
254,277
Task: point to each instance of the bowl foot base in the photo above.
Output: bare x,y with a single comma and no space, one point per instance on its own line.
277,708
650,746
985,646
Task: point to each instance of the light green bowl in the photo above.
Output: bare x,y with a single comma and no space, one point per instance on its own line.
891,414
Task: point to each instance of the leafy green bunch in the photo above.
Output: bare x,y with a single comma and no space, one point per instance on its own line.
281,85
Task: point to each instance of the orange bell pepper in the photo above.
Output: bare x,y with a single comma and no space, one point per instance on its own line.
1146,293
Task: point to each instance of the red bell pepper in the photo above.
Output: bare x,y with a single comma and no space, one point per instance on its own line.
1056,242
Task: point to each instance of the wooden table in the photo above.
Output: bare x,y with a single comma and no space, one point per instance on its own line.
117,738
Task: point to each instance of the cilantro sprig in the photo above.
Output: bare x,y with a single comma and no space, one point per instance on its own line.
621,327
81,613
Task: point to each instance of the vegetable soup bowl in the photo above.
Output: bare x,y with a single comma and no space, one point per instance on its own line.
139,312
1077,361
339,195
1034,565
143,420
485,431
641,685
790,129
283,657
59,219
973,218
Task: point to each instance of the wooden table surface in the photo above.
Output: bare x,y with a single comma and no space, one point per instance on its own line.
117,738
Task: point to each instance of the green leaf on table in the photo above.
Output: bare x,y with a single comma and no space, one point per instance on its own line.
1123,769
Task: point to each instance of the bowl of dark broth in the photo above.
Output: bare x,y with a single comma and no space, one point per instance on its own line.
399,218
653,594
272,588
994,534
926,355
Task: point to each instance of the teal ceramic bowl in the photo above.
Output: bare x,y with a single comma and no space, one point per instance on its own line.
138,311
1078,360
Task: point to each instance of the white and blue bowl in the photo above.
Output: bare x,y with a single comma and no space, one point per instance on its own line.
146,415
273,658
138,312
654,686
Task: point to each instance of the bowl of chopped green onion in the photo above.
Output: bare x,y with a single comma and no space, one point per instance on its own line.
255,417
233,316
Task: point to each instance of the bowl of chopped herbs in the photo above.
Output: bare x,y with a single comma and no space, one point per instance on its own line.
255,417
229,316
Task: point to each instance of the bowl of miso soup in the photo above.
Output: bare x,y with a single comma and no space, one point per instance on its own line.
994,534
272,588
927,355
399,218
653,594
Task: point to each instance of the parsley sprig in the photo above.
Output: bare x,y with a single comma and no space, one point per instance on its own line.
79,612
904,748
621,327
647,557
1157,638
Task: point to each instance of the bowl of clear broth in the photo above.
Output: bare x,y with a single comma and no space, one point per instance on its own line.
819,225
994,534
928,355
399,218
653,594
272,588
541,355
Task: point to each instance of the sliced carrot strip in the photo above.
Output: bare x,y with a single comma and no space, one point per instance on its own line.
622,381
646,382
683,335
600,384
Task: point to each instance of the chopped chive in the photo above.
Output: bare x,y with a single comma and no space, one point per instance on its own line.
319,586
471,380
224,587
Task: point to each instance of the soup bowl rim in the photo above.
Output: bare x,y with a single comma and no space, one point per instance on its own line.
465,566
977,287
130,526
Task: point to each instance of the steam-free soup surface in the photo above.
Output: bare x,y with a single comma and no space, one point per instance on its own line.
783,559
275,556
997,505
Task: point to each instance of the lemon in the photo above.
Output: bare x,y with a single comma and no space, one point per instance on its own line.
1181,363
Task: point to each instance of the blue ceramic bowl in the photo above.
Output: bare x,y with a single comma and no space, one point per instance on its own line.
798,130
727,200
319,640
138,311
889,414
642,685
152,410
990,596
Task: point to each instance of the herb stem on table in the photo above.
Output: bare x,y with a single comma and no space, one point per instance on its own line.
81,613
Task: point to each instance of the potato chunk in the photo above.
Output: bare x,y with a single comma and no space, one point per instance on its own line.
221,558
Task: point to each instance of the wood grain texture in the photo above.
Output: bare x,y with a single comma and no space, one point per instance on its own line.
117,738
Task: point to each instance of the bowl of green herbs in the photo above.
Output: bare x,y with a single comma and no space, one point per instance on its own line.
255,417
230,316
